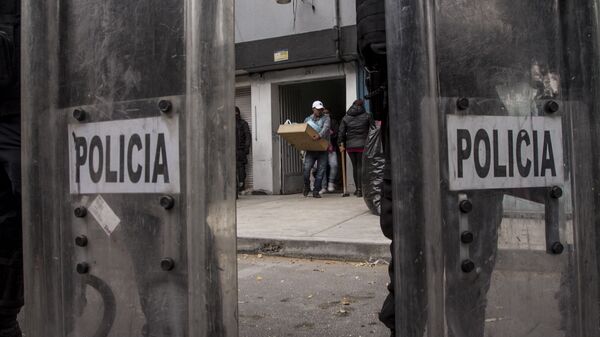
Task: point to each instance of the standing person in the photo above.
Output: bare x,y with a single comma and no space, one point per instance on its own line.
320,123
332,162
354,130
11,246
243,139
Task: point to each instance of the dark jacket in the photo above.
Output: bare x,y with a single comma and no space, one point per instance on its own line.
243,138
354,127
9,57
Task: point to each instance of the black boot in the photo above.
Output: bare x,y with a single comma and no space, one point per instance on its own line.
305,191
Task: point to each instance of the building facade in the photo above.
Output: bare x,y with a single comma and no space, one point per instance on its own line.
293,54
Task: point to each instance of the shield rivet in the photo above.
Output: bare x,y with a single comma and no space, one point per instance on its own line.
467,266
462,103
80,212
556,192
551,106
167,202
557,248
467,237
165,106
167,264
79,114
81,241
83,268
465,206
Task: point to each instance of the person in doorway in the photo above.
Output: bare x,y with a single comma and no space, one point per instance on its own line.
354,130
11,246
330,175
332,161
243,139
320,123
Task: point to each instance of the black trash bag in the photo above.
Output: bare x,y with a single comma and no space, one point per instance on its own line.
373,164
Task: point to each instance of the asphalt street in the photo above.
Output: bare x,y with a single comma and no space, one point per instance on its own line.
281,297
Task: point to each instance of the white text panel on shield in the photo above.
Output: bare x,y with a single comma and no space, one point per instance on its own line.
125,156
499,152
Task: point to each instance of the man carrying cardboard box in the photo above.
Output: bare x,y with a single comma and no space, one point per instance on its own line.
320,123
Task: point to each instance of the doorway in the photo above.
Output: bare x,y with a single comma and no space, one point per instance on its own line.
295,104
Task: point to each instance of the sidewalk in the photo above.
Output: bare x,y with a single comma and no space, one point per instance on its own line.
343,228
292,225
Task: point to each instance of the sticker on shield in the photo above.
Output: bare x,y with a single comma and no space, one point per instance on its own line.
104,215
499,152
125,156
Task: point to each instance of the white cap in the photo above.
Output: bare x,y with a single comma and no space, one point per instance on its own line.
318,105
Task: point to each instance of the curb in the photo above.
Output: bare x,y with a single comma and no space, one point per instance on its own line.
506,259
322,249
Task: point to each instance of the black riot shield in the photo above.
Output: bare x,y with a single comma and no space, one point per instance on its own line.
494,103
129,195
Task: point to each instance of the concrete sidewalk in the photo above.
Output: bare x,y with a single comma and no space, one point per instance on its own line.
292,225
343,228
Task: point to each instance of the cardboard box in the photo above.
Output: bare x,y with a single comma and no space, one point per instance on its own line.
300,136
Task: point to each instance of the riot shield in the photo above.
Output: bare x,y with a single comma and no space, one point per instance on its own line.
128,187
494,101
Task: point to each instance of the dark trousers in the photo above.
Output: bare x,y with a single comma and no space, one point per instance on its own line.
241,160
356,159
241,175
11,247
386,315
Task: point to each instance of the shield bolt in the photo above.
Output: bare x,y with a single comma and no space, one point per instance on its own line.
557,248
83,268
81,241
167,202
551,106
462,103
167,264
465,206
467,266
79,114
467,237
556,192
165,106
80,212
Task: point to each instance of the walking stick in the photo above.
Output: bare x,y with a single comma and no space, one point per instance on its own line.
345,193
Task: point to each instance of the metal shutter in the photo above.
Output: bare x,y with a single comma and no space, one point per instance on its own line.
242,101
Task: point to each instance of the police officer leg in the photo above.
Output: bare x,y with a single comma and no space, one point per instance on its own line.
386,315
11,262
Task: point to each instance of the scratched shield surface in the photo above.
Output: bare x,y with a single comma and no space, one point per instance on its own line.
130,216
493,159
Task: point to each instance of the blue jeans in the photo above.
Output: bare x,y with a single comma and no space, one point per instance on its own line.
309,160
333,166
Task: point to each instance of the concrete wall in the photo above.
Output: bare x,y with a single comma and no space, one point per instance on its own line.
263,19
265,114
